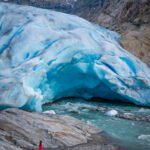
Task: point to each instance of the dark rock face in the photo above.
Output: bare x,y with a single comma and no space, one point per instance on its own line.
21,130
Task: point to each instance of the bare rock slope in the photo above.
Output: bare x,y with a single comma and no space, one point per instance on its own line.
21,130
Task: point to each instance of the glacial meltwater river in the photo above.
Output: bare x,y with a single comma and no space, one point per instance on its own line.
131,134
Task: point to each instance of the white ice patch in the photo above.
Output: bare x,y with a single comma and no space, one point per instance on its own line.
51,112
112,112
144,137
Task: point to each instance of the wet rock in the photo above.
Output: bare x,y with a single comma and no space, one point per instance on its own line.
117,113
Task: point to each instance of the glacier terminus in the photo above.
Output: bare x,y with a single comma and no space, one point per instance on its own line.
47,55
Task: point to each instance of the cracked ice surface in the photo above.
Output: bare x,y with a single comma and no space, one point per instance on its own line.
46,55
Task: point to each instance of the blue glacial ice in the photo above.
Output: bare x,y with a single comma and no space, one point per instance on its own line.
46,55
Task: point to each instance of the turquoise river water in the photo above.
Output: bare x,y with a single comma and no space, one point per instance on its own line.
131,134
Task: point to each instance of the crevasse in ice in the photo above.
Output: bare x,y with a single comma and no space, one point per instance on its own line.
46,55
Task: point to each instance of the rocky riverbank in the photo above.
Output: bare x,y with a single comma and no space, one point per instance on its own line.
21,130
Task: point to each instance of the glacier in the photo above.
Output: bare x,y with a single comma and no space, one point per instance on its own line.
47,55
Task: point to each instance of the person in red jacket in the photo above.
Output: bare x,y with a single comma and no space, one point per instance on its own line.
40,146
